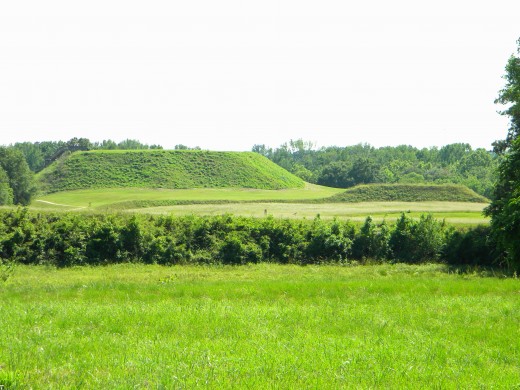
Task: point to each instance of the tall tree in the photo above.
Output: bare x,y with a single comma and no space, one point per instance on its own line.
510,95
20,176
6,192
505,207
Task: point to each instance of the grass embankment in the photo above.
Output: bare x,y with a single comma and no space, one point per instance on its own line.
408,193
165,169
262,326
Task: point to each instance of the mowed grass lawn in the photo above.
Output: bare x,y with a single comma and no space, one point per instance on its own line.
260,326
453,212
102,198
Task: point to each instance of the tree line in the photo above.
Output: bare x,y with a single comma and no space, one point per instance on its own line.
40,154
343,167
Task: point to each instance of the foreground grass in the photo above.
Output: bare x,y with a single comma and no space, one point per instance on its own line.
262,326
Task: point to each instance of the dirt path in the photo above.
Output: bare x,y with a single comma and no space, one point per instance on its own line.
59,204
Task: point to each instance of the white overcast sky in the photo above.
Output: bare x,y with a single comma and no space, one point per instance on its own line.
228,74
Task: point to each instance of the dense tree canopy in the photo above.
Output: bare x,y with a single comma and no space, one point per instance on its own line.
505,208
351,165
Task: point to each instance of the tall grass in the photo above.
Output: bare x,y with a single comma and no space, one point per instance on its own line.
262,326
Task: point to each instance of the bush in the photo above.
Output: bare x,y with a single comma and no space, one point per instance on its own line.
329,241
237,249
372,242
470,247
417,241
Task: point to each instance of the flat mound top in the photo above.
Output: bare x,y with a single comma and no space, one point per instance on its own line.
408,193
165,169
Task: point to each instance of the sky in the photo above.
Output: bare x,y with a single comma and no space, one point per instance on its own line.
229,74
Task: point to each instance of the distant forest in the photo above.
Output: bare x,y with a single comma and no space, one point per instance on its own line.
347,166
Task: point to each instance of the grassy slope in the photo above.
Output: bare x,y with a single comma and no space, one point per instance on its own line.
408,193
265,326
165,169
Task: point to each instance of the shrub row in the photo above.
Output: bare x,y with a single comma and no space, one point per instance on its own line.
76,239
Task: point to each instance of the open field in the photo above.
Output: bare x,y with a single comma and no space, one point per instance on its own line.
102,198
452,212
109,199
262,326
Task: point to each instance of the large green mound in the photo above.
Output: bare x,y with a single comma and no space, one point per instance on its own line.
165,169
408,193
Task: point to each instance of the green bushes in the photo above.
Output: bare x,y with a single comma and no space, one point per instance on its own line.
417,241
373,241
474,247
76,239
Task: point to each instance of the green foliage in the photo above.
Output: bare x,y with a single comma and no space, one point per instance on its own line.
336,174
329,241
40,154
473,247
6,192
341,174
505,207
373,241
453,153
165,169
345,167
237,249
70,239
417,241
364,171
407,193
19,176
510,97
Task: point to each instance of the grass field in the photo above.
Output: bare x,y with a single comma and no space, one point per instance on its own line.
102,198
265,326
468,213
452,212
